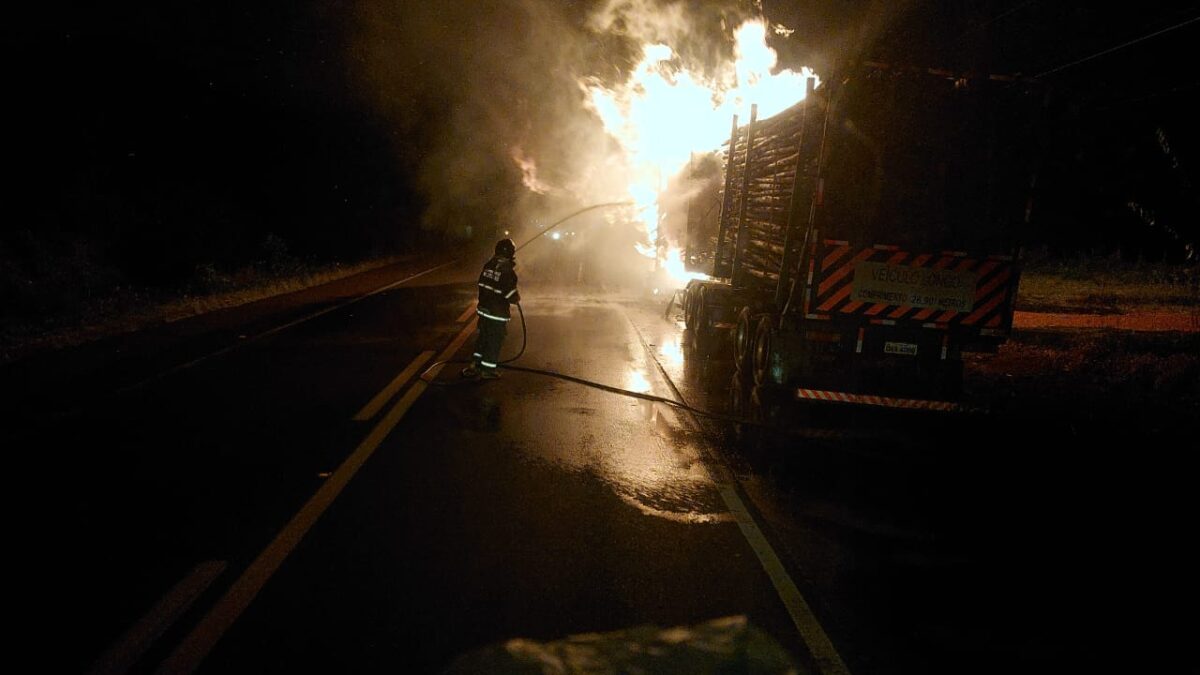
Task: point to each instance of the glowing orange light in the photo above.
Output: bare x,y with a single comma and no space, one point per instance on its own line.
663,113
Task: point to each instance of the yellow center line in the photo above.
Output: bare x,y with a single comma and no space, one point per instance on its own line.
376,404
467,312
196,646
134,643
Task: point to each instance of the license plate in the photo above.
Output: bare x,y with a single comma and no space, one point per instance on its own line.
904,348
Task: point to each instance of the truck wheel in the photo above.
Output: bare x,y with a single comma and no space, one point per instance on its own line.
760,356
747,432
765,406
739,396
689,307
743,341
704,335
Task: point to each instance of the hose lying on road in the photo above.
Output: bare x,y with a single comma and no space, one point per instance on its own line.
571,378
700,412
527,242
506,363
435,364
524,333
587,383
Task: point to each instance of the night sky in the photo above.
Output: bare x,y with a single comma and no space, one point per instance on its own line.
149,140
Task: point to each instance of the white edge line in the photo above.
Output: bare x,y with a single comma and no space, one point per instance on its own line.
308,317
819,645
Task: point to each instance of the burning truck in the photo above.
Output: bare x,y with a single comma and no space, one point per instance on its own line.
859,242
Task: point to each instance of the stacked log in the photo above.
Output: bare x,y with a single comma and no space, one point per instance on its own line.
767,194
771,168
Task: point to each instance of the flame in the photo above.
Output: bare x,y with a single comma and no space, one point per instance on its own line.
528,171
673,265
663,113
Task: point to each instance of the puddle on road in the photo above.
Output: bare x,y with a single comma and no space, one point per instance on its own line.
643,455
636,380
647,463
664,477
671,351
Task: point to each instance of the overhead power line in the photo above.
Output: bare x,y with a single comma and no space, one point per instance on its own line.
994,19
1119,47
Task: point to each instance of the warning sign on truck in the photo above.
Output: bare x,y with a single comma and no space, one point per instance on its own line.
923,287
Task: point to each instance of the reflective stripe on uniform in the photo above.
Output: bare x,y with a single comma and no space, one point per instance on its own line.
485,364
482,313
510,293
492,289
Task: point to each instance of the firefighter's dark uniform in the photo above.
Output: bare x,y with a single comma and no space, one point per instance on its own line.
497,290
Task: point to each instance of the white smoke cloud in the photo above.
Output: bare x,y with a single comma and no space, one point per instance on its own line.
494,105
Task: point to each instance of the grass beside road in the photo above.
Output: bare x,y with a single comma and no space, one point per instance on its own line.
1094,373
127,309
1079,286
1106,285
1100,375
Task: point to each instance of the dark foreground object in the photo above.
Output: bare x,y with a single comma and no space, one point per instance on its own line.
728,645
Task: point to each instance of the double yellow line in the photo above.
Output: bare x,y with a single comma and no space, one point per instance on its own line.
196,646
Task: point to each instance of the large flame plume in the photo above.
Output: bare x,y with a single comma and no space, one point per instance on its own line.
664,112
579,103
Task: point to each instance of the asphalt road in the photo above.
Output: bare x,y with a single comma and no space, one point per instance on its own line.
263,491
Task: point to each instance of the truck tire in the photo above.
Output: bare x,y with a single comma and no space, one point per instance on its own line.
766,409
760,355
704,334
739,396
689,307
747,431
743,341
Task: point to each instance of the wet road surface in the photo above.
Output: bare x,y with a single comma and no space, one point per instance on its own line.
520,507
256,513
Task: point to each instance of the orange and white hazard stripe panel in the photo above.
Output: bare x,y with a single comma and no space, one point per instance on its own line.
883,401
830,287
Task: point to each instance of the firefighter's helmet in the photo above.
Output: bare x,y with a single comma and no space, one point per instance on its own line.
506,248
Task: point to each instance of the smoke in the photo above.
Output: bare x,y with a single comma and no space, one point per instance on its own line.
489,107
697,31
469,90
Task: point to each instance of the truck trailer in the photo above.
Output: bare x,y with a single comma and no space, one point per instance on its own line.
866,237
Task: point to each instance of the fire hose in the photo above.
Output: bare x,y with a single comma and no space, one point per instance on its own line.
524,336
585,382
507,363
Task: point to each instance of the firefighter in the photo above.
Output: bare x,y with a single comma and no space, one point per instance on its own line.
497,290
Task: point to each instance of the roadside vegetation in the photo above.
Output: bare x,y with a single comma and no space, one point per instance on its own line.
1137,374
1093,374
1105,284
73,300
66,296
